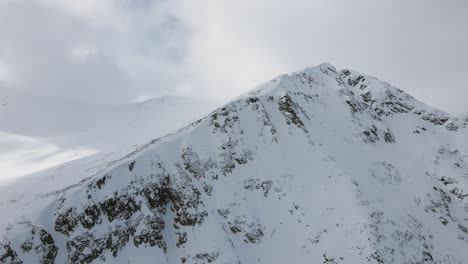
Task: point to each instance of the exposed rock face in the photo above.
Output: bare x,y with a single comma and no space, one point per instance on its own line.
42,243
8,255
320,166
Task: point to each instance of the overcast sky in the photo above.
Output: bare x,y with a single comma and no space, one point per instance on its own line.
117,51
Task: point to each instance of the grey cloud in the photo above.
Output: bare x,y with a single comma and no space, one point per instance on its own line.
419,46
39,41
219,49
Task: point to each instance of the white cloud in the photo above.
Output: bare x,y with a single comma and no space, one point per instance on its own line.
183,89
121,50
82,53
100,14
96,51
6,73
416,45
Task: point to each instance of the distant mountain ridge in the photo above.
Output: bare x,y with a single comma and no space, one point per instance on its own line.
40,132
317,166
51,117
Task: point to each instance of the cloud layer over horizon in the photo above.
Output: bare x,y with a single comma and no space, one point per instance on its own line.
120,51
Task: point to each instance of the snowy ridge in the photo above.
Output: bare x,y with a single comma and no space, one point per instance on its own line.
318,166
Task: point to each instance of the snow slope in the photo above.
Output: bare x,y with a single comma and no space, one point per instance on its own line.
21,155
41,132
317,166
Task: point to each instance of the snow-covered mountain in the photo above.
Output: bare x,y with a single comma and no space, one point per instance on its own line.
318,166
41,132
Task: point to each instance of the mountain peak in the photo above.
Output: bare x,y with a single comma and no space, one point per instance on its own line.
362,93
324,67
299,163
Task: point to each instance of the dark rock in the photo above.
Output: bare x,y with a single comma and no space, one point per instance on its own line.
157,195
90,216
447,180
85,248
353,81
181,238
367,97
119,207
8,255
452,127
66,222
427,257
131,165
192,163
371,135
40,243
289,110
100,182
207,257
389,137
151,233
256,184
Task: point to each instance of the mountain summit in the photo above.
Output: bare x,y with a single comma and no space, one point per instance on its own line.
317,166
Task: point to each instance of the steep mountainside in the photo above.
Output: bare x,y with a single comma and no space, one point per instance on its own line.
318,166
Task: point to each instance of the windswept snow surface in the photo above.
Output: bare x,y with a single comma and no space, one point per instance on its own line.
41,132
318,166
21,155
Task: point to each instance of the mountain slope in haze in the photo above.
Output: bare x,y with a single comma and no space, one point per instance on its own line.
85,124
21,155
318,166
41,132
